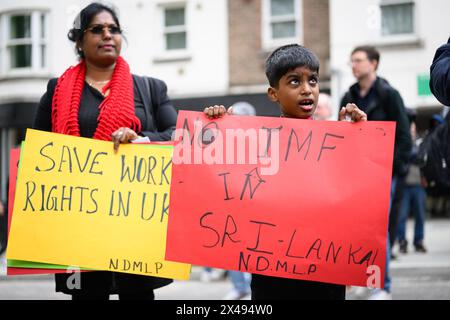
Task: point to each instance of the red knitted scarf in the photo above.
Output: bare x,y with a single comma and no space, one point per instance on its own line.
116,110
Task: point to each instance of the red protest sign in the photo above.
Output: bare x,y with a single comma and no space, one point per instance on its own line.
309,202
14,157
33,267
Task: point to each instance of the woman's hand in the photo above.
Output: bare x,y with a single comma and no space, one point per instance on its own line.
352,113
122,135
217,111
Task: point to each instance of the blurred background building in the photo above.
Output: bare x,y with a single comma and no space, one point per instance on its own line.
407,34
213,51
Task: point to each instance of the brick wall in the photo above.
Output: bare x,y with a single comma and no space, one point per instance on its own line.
246,64
245,52
316,32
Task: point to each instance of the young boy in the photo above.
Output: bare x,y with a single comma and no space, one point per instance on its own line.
293,74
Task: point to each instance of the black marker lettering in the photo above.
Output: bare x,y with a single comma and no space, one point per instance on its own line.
78,160
227,197
42,197
94,162
144,195
374,257
226,233
283,266
125,210
261,223
29,194
163,171
186,130
158,266
125,171
269,140
151,165
328,147
259,260
81,197
289,247
114,264
315,247
139,176
294,270
334,253
312,268
63,152
165,209
243,261
210,228
352,255
208,136
366,258
248,183
50,144
66,198
93,200
54,201
307,139
111,203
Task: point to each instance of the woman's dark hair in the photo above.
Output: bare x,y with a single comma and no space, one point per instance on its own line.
83,20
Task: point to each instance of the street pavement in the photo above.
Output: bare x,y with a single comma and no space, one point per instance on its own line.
415,276
420,276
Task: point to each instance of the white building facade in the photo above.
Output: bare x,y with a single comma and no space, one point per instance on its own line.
407,34
173,40
183,42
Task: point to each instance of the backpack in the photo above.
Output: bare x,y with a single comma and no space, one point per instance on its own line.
434,159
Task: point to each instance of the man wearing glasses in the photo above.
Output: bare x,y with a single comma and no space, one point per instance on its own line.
381,102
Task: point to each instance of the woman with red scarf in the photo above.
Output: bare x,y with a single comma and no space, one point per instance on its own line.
99,98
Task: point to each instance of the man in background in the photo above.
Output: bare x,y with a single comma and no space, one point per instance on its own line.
381,102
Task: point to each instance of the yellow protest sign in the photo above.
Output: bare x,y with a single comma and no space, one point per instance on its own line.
79,204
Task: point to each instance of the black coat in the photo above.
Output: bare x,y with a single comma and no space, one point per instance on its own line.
157,123
158,120
388,106
440,74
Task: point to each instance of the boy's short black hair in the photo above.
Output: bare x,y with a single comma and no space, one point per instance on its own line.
289,57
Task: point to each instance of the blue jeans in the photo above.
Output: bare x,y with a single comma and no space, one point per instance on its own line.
413,200
387,277
240,280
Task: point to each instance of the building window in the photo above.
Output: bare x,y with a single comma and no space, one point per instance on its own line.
281,22
20,41
397,18
282,16
175,28
24,41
